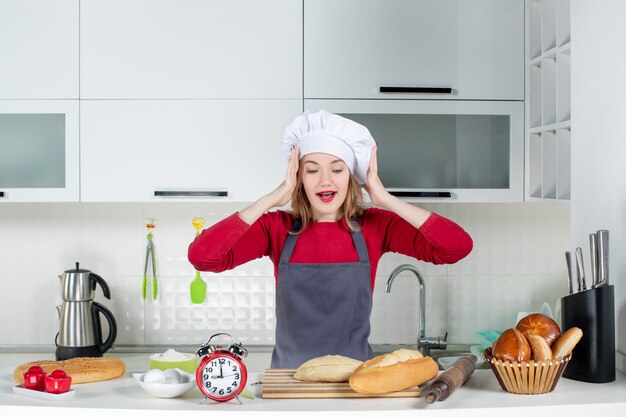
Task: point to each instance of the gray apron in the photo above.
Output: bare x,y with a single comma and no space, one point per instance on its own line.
322,309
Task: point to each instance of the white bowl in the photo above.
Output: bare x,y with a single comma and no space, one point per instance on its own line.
161,390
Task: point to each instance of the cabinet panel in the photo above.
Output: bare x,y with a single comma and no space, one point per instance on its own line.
132,148
354,47
548,101
473,151
39,150
39,49
191,49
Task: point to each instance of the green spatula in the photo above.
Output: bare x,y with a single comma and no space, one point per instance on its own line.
198,286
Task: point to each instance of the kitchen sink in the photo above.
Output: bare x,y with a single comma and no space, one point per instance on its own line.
453,350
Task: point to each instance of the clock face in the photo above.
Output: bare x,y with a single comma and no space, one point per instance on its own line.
221,377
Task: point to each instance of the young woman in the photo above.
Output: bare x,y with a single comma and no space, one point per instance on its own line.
326,249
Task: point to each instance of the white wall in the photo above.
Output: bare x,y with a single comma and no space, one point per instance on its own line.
516,265
599,138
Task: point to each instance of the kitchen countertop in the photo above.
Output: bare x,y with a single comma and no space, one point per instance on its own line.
481,396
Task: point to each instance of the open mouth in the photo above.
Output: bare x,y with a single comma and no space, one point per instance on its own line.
327,196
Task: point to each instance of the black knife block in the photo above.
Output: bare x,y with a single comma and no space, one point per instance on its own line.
593,311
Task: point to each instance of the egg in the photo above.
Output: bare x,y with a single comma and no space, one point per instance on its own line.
172,376
154,376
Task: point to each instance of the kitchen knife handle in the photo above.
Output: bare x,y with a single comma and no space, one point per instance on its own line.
422,90
568,262
580,270
603,258
593,258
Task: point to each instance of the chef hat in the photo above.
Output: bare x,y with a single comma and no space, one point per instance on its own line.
329,133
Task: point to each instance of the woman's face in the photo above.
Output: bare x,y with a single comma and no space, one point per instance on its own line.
325,179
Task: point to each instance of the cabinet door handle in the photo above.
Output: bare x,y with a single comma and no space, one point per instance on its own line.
422,194
423,90
191,193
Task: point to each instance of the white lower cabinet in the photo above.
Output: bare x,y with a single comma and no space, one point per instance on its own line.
151,150
39,151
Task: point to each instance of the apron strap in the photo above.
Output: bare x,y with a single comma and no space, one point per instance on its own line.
359,243
290,243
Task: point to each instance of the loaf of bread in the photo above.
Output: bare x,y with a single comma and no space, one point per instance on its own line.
511,346
329,368
395,371
539,347
541,325
81,370
566,343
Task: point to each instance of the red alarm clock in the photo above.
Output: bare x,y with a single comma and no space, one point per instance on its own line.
221,374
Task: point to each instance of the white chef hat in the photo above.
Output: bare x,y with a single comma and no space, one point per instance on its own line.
326,132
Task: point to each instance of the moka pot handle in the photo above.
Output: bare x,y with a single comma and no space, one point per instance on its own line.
96,310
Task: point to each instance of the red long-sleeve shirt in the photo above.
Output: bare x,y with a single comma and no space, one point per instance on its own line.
232,242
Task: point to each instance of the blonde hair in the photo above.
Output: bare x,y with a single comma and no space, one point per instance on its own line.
352,207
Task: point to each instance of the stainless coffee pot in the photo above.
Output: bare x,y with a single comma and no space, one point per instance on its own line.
80,331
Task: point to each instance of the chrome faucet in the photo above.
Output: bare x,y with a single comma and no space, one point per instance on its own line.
424,344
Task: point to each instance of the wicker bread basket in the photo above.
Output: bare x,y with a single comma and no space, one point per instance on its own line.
532,377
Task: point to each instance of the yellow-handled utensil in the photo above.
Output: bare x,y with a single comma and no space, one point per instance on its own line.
197,289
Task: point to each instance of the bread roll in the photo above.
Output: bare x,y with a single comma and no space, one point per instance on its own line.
539,347
395,371
511,346
329,368
566,343
81,370
541,325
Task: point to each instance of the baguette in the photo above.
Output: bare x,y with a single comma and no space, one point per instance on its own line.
395,371
329,368
539,346
566,343
82,370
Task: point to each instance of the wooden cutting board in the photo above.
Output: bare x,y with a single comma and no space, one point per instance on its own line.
279,383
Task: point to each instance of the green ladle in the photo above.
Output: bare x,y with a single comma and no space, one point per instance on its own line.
198,286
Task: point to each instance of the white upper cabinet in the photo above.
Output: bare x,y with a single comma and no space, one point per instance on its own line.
154,150
39,49
39,150
164,49
443,150
475,48
548,101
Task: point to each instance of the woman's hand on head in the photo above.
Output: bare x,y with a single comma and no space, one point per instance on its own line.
373,185
284,191
277,198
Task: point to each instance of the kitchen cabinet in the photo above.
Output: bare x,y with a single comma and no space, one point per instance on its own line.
444,151
196,49
39,156
352,48
39,49
150,150
548,102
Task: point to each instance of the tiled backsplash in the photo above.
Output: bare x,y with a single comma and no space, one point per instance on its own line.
516,265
